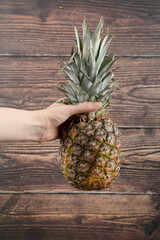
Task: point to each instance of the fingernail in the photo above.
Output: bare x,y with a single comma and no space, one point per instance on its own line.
97,105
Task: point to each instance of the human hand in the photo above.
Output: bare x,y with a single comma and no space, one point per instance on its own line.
52,117
39,125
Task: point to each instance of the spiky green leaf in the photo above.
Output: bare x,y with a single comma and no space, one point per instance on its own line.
106,80
94,89
69,89
85,84
61,89
92,64
103,72
107,60
86,42
77,60
101,56
93,99
96,39
72,98
78,39
74,68
72,76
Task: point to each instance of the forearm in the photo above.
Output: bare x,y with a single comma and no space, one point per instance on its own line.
19,125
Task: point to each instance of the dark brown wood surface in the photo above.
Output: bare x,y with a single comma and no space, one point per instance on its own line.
79,216
40,27
29,83
34,167
35,200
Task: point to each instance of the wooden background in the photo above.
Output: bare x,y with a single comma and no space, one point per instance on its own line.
35,201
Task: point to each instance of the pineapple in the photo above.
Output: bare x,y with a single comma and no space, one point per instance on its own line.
90,144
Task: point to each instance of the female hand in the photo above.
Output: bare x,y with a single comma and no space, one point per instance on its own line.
56,114
39,125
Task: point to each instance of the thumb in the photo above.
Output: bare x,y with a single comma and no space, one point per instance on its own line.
84,107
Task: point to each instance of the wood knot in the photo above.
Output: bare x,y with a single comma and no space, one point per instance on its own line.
79,219
43,17
150,132
149,227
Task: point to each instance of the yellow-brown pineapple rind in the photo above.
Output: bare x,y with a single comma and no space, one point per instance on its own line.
90,151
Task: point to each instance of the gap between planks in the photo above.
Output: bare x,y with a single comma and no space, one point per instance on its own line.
139,127
75,193
67,55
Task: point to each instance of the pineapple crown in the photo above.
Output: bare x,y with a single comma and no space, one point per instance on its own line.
87,71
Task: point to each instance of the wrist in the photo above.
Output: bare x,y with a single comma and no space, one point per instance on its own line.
37,125
44,125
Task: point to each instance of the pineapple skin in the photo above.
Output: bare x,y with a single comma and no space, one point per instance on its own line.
90,150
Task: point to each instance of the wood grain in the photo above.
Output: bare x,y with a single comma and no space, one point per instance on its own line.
34,167
41,27
40,216
36,203
29,83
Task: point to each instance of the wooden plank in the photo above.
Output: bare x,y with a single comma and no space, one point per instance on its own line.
82,216
34,167
29,83
42,27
